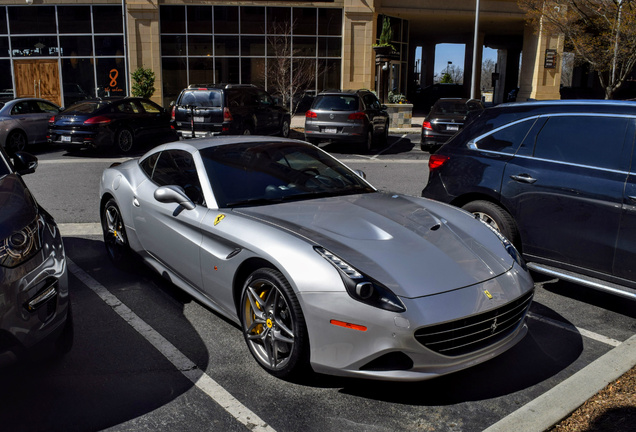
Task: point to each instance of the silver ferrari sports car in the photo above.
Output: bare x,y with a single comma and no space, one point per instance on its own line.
318,268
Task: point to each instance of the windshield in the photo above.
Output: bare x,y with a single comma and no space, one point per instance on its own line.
336,103
86,107
247,174
455,107
202,98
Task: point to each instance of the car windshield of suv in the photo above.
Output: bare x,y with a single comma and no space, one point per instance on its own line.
249,174
454,107
202,98
336,103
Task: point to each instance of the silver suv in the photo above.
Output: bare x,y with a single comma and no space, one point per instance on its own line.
353,116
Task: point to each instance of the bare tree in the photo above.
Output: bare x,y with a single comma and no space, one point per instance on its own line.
567,69
288,73
600,32
456,73
488,67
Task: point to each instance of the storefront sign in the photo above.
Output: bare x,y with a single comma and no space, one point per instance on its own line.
550,59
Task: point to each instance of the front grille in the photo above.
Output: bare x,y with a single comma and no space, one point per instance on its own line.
475,332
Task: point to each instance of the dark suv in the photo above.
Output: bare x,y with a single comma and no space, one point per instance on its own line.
228,109
354,116
558,179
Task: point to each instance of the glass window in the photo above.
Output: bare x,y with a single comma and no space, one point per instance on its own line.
508,139
253,45
253,71
201,70
173,45
176,167
252,20
111,77
4,47
328,74
276,19
74,46
304,21
304,46
227,70
78,80
330,21
150,107
329,47
22,108
175,78
3,20
172,19
226,45
107,19
109,45
47,107
40,46
200,45
148,165
74,19
571,139
32,19
200,19
226,20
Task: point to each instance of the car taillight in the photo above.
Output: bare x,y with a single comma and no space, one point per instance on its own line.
97,120
227,116
436,161
173,113
356,116
52,120
311,114
427,125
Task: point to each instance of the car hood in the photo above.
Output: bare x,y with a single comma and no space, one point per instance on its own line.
414,246
18,205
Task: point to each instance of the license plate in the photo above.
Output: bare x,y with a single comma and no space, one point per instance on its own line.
66,138
199,119
331,130
452,127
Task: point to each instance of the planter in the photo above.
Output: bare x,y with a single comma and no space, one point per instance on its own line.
400,115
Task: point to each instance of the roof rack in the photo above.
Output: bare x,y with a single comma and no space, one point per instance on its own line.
220,86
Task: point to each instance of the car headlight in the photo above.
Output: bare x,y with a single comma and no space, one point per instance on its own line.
362,287
21,245
510,248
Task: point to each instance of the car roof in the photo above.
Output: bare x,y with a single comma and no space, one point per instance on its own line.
198,144
342,92
568,105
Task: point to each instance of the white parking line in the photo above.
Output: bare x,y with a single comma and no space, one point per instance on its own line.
571,328
170,352
390,147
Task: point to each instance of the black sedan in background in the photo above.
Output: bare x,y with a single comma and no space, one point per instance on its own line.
110,122
446,117
35,309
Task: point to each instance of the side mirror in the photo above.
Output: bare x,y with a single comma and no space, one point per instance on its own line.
361,174
174,194
24,163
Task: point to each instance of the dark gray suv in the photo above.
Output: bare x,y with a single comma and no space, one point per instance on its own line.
558,178
228,109
353,116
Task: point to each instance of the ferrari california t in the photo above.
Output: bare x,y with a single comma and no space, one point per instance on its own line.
319,269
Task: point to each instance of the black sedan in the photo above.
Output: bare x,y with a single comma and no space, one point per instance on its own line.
446,117
109,122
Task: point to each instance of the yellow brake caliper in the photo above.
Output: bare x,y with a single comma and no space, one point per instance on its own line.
259,328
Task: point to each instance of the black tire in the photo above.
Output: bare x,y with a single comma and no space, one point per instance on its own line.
16,141
496,217
125,140
384,140
367,145
284,128
115,238
273,324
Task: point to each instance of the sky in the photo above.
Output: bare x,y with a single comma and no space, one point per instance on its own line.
455,53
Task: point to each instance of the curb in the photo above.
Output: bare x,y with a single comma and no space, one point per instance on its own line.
560,401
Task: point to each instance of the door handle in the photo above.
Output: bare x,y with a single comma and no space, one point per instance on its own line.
523,178
136,202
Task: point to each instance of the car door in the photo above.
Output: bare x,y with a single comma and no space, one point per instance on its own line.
25,114
625,256
377,116
156,120
566,195
266,115
169,232
43,112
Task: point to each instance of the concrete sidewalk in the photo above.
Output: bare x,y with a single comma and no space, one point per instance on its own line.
298,123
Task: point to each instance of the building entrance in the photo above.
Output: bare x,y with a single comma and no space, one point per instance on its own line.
38,78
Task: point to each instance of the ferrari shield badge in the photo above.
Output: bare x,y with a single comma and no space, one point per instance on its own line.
485,292
218,219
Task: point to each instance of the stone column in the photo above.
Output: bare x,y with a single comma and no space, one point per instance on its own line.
358,58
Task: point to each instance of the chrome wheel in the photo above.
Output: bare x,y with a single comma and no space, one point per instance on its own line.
125,140
284,129
17,141
273,324
487,219
115,234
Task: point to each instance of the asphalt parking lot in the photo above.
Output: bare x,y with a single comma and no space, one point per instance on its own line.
148,357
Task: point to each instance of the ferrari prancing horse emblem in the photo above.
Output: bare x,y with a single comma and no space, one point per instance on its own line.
218,219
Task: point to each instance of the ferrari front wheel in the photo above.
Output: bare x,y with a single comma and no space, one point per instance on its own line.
115,237
273,324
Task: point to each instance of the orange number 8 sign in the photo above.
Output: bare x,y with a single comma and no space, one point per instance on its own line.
113,77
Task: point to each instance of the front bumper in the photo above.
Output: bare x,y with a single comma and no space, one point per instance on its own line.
389,348
34,297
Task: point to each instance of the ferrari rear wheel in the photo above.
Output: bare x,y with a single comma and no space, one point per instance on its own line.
115,237
273,324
